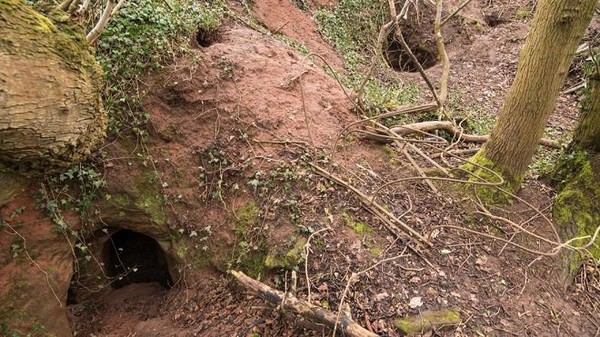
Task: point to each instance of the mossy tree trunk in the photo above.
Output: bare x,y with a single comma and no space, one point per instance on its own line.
587,134
556,30
577,206
51,113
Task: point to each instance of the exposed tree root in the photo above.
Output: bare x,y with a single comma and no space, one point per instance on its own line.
311,312
422,127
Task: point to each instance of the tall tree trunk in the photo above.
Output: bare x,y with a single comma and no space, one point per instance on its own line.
577,205
51,113
556,30
587,134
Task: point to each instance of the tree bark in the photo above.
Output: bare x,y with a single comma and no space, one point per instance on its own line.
577,204
587,133
51,112
557,28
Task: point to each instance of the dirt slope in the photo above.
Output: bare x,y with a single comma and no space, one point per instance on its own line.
233,126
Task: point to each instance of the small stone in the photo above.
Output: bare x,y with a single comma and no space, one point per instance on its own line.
431,292
415,279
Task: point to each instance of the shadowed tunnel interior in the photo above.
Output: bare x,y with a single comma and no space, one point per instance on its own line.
133,257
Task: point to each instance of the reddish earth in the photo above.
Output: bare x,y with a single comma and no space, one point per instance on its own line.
250,103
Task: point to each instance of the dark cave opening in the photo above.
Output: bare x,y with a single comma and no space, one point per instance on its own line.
400,60
206,37
132,257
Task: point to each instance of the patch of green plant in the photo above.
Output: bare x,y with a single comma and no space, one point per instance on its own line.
143,36
391,155
72,190
359,227
543,162
250,251
478,123
286,258
380,97
352,28
523,14
302,49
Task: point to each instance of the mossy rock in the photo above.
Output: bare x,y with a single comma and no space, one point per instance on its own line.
247,217
427,320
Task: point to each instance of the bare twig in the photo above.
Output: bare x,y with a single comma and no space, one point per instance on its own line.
439,40
306,252
94,34
310,137
383,32
403,130
398,33
409,157
37,266
351,279
458,9
388,219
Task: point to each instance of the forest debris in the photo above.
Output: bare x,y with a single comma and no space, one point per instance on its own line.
427,320
289,259
383,214
407,129
309,311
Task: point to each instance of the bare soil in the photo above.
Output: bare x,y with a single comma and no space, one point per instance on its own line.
261,105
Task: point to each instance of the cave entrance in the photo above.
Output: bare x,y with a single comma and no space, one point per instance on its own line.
422,46
132,257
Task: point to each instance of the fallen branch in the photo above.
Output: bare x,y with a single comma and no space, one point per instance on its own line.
305,309
403,130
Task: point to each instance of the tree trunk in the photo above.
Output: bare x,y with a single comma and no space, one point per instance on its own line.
51,113
577,205
587,134
556,30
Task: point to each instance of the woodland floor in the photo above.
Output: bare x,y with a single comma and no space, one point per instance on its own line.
499,290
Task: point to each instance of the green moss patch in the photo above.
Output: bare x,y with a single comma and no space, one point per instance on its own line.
359,227
482,169
251,249
426,321
289,259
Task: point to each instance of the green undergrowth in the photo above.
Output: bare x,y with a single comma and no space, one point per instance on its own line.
142,37
250,251
352,28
